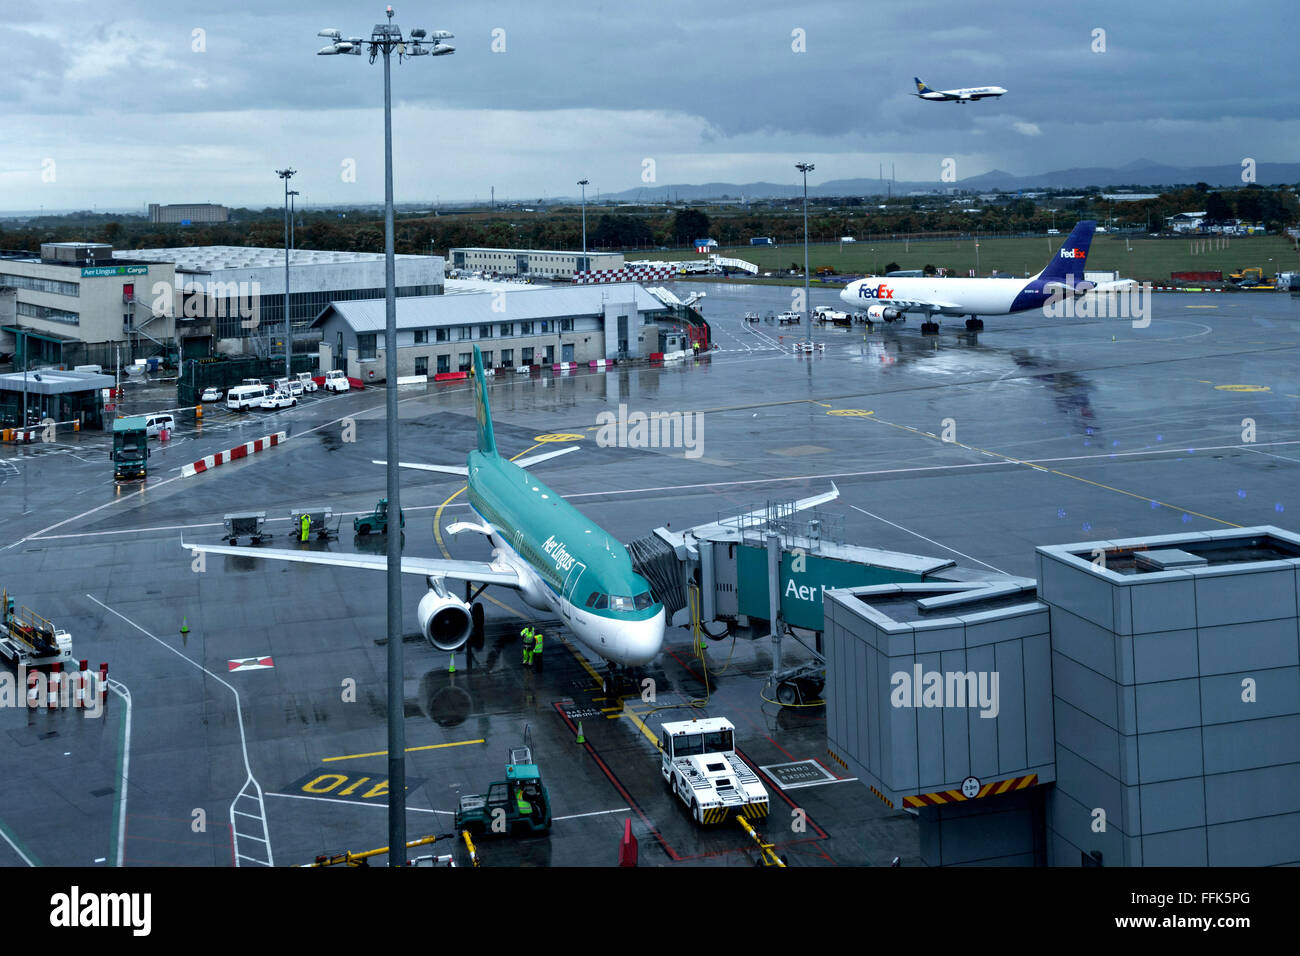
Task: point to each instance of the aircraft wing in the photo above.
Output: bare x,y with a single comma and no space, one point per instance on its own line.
479,572
440,469
730,524
918,305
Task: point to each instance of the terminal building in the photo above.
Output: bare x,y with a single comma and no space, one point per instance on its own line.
538,263
1138,705
517,325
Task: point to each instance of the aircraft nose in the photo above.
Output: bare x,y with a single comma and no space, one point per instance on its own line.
644,640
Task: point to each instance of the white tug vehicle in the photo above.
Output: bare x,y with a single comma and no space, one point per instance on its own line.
700,764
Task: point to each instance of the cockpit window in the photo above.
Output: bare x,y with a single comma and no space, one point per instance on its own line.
643,600
591,601
602,602
618,602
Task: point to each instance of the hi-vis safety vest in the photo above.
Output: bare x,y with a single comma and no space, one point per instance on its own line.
537,648
527,634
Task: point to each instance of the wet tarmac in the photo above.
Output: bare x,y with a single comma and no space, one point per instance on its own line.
258,736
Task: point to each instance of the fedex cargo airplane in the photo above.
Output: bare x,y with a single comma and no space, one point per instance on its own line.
556,558
889,298
956,96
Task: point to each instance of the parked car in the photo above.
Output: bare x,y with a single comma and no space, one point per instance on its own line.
159,422
279,400
211,395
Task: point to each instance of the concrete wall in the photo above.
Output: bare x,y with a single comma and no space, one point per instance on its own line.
1177,708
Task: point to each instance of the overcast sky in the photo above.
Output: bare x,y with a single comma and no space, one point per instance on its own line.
119,104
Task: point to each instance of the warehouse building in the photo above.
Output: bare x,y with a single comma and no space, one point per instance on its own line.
235,294
78,304
516,326
539,263
1138,705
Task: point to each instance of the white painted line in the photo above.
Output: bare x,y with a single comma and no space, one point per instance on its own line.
594,813
243,742
121,690
357,803
26,858
924,538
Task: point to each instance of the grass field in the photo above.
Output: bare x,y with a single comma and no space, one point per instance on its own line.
1147,259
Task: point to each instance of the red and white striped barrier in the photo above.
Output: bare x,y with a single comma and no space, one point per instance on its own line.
601,363
232,454
564,366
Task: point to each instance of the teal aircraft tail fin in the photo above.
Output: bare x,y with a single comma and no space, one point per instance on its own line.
487,443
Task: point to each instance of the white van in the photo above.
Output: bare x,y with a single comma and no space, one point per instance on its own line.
246,396
158,422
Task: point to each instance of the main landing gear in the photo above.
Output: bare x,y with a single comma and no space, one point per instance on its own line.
974,325
929,328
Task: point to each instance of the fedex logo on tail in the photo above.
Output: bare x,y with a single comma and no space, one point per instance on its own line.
878,292
1073,254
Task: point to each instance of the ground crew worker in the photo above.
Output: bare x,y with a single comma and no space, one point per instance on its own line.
306,526
537,650
529,641
695,346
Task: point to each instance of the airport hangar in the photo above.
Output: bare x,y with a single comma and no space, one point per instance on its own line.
80,303
515,326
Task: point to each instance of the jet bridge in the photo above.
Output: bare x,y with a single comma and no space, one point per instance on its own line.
772,564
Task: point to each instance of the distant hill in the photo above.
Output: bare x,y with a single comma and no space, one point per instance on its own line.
1145,173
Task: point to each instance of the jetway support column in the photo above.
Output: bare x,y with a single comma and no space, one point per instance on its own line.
774,598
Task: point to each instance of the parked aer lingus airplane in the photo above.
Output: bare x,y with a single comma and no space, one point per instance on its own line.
554,556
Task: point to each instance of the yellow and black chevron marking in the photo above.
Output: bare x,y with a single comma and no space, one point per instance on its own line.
956,796
884,798
754,811
836,757
713,815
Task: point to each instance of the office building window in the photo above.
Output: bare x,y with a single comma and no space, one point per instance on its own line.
566,325
366,346
422,365
464,332
525,328
487,359
545,326
507,357
444,364
421,337
526,356
507,329
440,335
485,331
465,360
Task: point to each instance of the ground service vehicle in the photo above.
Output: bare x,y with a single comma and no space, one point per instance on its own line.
699,763
245,396
336,381
377,521
308,383
499,811
211,395
27,638
130,448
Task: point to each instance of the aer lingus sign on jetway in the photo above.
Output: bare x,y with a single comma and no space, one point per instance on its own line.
803,579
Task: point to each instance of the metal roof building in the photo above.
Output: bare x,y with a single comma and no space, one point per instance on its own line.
521,325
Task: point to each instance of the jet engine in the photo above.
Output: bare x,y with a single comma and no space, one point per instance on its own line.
445,620
877,312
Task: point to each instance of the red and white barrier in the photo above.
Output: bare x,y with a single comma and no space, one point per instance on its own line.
564,366
601,363
232,454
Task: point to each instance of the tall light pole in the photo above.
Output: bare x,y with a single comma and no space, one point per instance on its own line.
385,40
292,193
285,174
584,183
806,168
